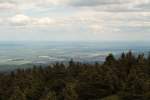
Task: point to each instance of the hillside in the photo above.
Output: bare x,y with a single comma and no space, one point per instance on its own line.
124,78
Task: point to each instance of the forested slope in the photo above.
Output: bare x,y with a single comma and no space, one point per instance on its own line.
125,78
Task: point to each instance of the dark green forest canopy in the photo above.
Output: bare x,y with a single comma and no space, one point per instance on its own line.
124,78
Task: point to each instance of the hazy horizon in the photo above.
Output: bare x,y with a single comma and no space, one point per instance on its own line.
43,31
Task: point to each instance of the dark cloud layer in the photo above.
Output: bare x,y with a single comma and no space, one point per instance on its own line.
94,2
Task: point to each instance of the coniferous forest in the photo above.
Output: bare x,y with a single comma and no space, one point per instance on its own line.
123,78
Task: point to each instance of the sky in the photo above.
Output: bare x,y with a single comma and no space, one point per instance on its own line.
74,20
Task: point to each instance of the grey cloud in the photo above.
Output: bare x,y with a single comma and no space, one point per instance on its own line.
114,5
94,2
144,6
104,5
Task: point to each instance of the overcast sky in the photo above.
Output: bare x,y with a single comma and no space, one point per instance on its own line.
75,20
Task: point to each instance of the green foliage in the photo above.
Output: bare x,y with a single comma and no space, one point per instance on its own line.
110,59
125,78
70,92
17,95
50,96
113,97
